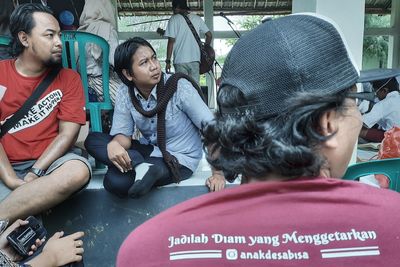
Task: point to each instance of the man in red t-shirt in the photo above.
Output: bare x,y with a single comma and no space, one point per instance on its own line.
37,170
287,123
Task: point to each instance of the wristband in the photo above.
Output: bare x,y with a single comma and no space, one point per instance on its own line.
38,172
168,61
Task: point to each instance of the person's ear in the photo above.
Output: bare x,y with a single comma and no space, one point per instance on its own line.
23,38
328,125
127,75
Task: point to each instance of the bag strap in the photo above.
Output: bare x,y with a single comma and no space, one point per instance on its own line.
23,110
198,40
195,34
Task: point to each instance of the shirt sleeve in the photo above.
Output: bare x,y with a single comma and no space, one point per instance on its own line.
203,26
192,105
123,122
375,115
172,28
72,105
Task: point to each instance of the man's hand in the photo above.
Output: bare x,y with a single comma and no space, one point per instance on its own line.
7,249
119,156
30,176
61,250
216,182
168,67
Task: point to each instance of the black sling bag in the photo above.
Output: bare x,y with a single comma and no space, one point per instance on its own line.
207,53
23,110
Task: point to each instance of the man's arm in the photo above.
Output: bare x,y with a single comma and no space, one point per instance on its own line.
67,135
170,47
198,112
216,181
208,38
7,173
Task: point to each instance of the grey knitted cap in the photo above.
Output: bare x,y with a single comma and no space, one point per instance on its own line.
279,58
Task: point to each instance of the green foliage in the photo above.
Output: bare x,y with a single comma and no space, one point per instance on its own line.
250,22
245,23
376,21
376,46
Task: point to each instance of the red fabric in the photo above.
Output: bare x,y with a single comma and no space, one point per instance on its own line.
295,222
390,148
63,100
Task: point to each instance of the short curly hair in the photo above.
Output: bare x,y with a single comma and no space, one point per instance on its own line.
286,144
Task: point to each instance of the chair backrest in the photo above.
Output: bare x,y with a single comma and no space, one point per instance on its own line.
5,40
388,167
74,47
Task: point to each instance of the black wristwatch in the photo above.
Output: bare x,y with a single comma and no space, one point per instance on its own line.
168,61
38,172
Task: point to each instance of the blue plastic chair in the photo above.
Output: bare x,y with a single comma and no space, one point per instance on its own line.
388,167
5,40
76,39
74,47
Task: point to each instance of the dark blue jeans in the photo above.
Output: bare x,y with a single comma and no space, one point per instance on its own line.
119,183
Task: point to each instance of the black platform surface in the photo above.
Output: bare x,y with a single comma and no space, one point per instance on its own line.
107,220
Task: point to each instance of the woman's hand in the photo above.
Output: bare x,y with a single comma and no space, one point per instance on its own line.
60,250
7,249
119,156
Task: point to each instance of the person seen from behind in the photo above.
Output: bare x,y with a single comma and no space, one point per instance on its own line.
287,122
181,42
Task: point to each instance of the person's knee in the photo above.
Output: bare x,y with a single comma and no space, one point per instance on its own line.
158,166
77,175
116,184
162,171
92,139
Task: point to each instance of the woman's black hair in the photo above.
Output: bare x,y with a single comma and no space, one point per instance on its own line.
123,57
285,145
22,20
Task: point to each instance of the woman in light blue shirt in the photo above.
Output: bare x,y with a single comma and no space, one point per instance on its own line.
168,113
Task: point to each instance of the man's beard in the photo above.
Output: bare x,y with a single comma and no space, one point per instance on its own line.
52,62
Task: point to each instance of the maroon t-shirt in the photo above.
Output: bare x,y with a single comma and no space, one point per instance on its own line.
306,222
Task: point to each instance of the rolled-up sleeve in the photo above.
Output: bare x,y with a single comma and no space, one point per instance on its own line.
123,122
